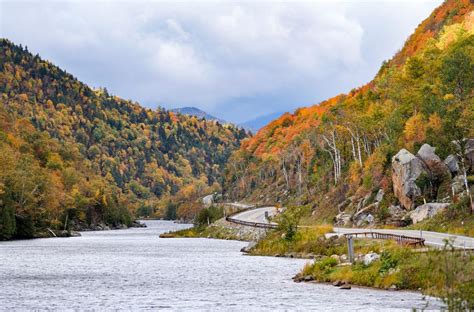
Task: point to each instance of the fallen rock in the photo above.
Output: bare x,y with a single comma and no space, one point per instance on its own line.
308,278
370,257
427,210
345,286
365,216
393,287
336,257
342,219
452,163
406,170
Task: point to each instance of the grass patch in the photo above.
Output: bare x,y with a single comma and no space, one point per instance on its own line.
447,273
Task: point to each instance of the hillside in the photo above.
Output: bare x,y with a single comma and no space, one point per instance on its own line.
71,152
336,156
193,111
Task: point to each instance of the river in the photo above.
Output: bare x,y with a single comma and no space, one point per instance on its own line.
134,269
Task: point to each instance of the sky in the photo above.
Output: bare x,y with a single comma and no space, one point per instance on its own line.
234,59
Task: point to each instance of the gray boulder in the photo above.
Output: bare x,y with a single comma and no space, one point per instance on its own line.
342,219
426,211
452,163
406,169
370,257
438,169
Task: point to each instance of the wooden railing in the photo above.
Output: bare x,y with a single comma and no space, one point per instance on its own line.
401,239
253,224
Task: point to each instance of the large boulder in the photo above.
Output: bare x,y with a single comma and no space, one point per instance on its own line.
452,162
406,169
426,211
438,169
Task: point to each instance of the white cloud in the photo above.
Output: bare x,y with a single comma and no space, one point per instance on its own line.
235,59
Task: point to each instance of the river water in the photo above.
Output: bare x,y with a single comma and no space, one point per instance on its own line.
135,270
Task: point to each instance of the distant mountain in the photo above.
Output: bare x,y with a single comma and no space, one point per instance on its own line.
194,111
255,124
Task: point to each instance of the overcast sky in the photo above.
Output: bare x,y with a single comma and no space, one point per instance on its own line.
236,60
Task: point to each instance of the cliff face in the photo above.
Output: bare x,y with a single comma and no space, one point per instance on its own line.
343,147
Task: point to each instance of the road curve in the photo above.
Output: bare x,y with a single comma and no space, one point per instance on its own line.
256,215
434,239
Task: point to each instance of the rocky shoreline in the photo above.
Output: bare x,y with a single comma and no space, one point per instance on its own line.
82,227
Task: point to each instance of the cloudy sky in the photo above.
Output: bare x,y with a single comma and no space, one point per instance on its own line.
234,59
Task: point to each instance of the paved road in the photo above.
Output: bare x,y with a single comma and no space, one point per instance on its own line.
256,215
434,239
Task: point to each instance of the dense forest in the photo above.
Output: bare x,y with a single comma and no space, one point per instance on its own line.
72,156
343,147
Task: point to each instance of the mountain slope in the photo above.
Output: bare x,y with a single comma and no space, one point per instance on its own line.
193,111
147,156
342,148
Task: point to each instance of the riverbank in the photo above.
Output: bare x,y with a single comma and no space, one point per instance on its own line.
76,229
221,229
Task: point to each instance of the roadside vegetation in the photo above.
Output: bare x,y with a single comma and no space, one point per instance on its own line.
447,273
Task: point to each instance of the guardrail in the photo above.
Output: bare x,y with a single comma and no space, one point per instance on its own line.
253,224
401,239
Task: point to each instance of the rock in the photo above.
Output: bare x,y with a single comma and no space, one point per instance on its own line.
469,153
396,212
370,257
247,248
337,283
345,286
208,200
336,257
342,219
427,210
364,216
308,278
343,258
438,169
75,234
406,169
452,163
379,196
393,287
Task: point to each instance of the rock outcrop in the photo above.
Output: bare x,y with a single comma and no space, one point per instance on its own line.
452,162
437,168
426,211
406,169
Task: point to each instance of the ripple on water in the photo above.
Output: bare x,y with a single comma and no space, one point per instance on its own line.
135,270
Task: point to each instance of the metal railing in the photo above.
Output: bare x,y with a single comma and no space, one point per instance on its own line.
401,239
253,224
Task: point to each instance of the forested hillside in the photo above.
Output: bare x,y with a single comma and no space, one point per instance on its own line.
343,148
71,152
